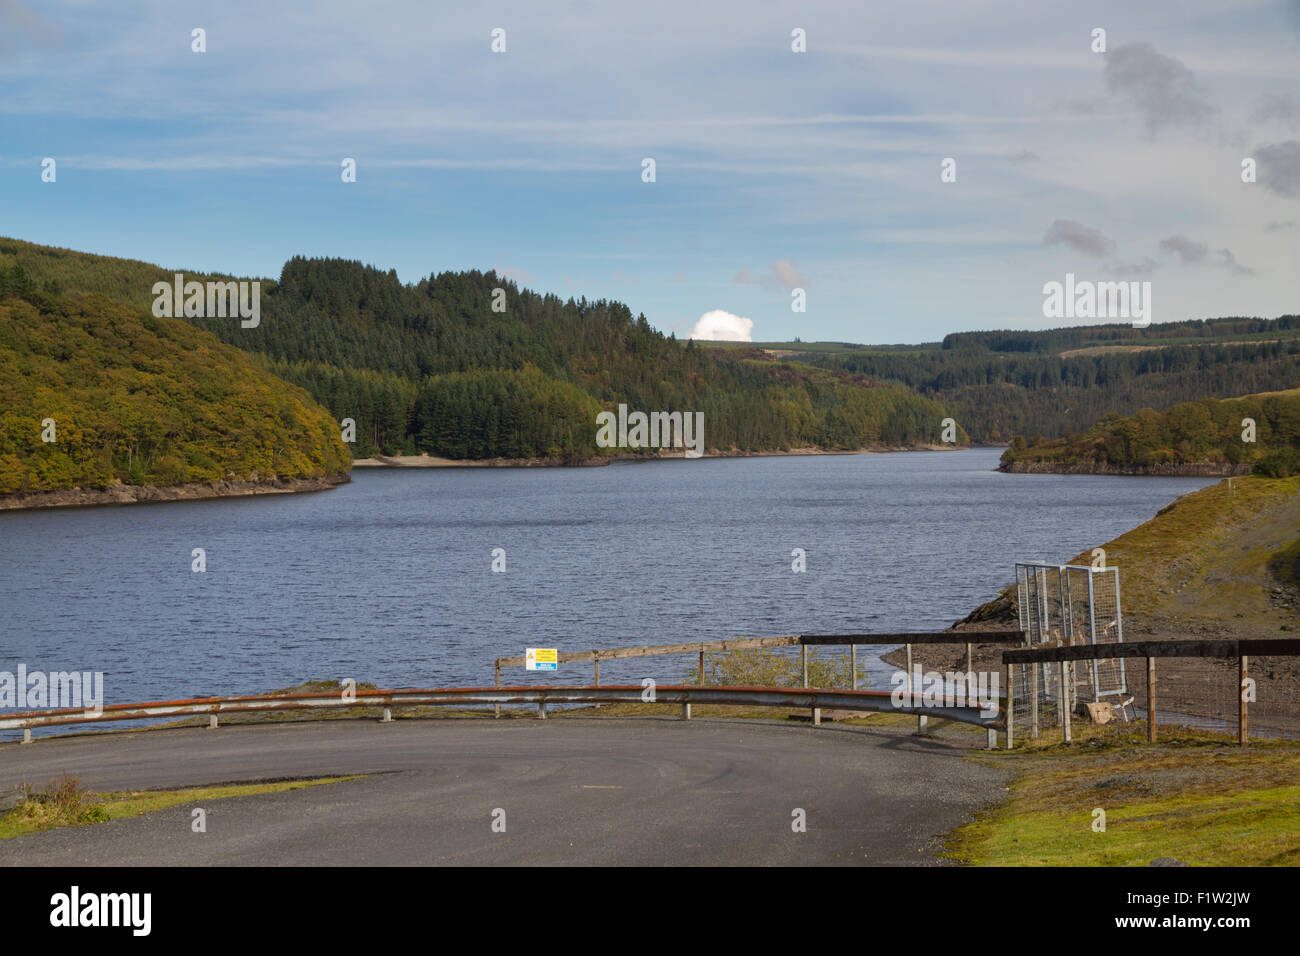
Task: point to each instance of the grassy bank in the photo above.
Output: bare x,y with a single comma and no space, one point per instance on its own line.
65,803
1195,797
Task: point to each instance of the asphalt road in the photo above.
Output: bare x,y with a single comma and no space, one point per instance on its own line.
574,790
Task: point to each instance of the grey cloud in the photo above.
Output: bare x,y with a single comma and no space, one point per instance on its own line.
1143,268
1278,168
1228,261
1163,89
1078,236
1281,108
1192,252
1186,249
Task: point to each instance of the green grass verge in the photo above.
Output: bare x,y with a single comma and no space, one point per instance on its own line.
1195,797
80,808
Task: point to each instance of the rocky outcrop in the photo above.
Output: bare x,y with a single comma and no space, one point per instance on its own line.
138,494
1193,469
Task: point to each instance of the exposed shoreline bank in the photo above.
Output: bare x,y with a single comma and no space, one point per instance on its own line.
1203,469
433,461
148,494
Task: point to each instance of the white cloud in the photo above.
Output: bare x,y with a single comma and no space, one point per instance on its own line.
720,326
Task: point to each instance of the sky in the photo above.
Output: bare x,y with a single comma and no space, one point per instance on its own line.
774,170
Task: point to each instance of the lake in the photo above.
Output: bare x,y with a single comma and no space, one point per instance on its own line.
389,578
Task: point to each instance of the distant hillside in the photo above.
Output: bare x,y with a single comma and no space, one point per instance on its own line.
1204,437
142,401
1051,383
431,367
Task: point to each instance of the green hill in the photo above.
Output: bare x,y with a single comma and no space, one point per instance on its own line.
1205,437
142,401
432,367
1051,383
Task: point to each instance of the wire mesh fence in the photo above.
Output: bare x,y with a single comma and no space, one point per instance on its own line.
1246,689
1065,606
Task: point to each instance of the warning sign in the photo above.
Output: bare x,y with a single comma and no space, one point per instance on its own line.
541,659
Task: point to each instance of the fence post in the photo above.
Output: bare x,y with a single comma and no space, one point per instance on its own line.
853,658
1067,685
701,681
496,708
803,649
1151,700
1034,668
1009,669
596,661
970,674
1243,731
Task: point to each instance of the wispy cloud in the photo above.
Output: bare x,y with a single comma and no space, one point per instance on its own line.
1078,236
1162,88
777,277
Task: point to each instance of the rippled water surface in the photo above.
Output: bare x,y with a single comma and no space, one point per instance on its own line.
389,578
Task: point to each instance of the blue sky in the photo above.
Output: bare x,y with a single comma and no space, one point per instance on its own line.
774,169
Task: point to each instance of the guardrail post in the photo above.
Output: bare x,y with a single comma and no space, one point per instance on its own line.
597,668
27,735
686,711
1242,729
853,657
701,681
1151,700
911,696
212,721
496,708
991,742
804,649
388,716
541,710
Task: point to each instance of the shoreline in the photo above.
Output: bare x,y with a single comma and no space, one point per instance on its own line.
1196,469
152,494
434,461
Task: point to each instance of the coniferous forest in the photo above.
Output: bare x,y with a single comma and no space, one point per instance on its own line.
431,367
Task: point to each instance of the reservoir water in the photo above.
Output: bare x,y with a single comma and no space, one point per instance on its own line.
389,578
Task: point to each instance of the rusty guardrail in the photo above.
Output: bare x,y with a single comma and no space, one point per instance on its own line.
802,641
541,697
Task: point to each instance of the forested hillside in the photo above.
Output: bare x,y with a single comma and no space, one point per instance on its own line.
432,367
1211,432
1054,383
141,400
